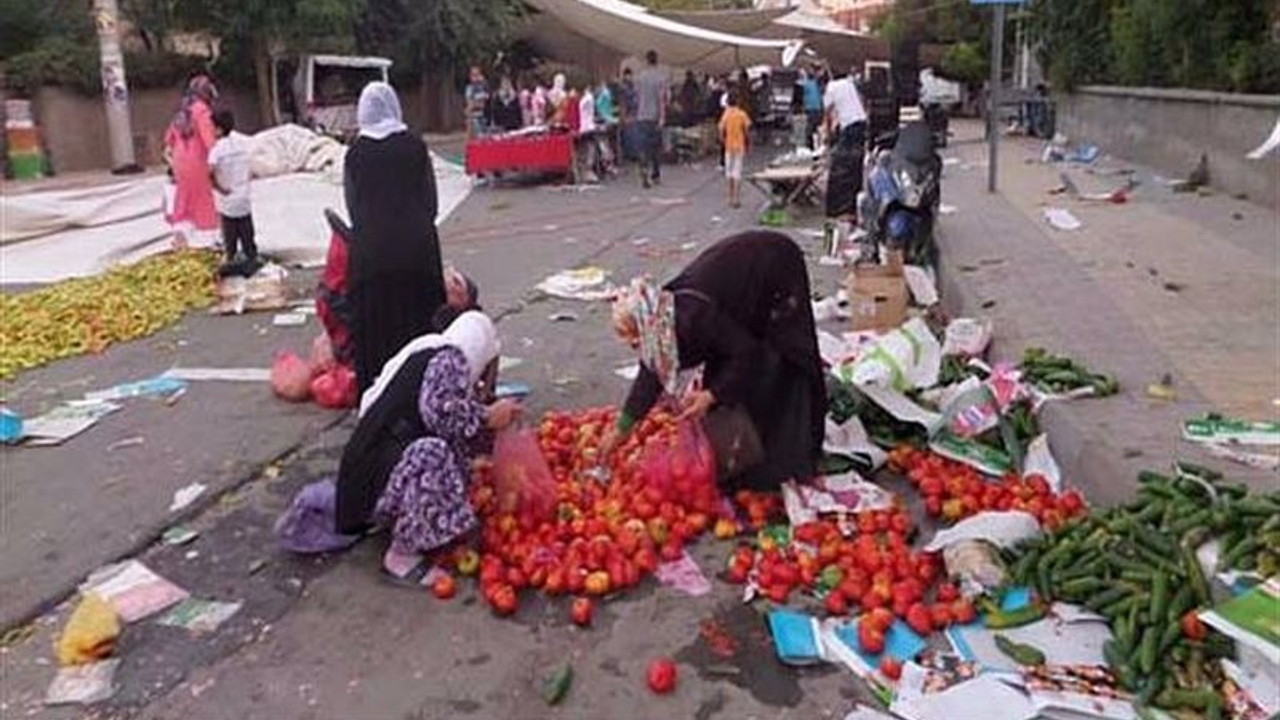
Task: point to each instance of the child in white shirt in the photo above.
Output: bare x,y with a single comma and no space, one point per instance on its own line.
229,168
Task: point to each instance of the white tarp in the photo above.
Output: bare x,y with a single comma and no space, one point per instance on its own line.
632,30
84,232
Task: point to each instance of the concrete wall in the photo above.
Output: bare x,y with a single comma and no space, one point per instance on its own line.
74,126
1169,130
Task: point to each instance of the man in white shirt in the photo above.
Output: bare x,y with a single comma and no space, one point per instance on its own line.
847,126
229,168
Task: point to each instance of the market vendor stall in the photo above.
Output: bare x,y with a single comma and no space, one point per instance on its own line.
543,152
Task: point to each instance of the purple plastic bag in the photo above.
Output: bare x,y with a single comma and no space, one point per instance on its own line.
308,525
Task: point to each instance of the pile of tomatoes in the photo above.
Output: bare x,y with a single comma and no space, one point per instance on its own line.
600,537
872,569
953,490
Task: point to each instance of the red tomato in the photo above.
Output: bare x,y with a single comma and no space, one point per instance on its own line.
879,618
1038,484
581,611
1072,502
940,614
836,603
444,587
948,592
661,676
1192,627
919,619
504,600
870,638
891,667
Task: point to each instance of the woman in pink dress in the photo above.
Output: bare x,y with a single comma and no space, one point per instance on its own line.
187,143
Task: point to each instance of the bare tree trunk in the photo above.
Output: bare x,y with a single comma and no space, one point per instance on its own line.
4,134
262,72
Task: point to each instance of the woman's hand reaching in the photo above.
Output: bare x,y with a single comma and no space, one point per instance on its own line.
502,413
695,404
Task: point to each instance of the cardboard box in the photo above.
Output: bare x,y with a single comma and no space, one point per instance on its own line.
878,296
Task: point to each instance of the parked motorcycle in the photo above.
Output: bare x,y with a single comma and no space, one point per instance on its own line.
901,193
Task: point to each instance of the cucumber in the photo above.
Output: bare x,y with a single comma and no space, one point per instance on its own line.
1147,649
1159,597
1020,653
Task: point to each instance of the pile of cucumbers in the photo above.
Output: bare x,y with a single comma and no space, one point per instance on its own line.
1136,565
1061,374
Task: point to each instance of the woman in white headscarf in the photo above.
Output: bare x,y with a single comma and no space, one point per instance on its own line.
407,465
395,272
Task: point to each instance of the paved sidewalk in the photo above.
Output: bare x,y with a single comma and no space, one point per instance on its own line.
1182,284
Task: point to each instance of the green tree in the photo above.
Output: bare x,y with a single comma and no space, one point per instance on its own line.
432,41
263,28
1072,38
963,62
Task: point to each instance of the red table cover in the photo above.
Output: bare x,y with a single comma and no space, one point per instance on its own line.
538,153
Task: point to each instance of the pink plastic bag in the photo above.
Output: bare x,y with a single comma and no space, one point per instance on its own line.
290,377
335,389
321,360
684,471
522,480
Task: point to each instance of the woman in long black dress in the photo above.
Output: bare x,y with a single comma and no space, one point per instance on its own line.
742,310
395,272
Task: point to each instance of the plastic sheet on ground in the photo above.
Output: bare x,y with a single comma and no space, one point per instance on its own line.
850,440
907,358
684,575
202,374
587,283
1269,145
83,684
1077,641
50,236
1003,529
1062,219
133,590
65,422
836,494
956,693
199,616
1217,429
967,337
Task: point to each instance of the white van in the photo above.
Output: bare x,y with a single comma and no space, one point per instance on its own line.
321,91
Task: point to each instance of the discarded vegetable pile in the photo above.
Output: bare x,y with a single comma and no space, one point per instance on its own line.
1137,566
953,490
1059,374
85,315
578,534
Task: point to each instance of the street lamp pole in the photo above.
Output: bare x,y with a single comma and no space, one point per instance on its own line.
993,119
115,89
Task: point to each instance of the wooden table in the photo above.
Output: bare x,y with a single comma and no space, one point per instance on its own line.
789,185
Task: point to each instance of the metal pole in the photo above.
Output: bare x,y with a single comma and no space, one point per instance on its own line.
993,121
115,90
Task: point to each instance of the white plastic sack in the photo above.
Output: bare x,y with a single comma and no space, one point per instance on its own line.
967,337
850,440
904,359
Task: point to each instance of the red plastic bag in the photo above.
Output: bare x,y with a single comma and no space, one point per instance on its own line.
684,471
522,480
290,377
335,389
321,359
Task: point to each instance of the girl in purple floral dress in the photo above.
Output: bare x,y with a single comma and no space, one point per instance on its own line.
421,425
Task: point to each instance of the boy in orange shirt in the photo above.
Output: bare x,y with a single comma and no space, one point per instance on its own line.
735,129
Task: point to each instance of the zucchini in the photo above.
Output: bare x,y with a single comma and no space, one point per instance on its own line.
1020,653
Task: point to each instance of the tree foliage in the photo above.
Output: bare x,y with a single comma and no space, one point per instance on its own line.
964,63
437,35
1208,44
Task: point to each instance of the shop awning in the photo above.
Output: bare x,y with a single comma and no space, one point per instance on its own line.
632,30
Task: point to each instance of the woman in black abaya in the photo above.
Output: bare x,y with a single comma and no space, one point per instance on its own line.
395,273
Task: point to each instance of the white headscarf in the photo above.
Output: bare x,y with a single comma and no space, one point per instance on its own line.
379,111
472,332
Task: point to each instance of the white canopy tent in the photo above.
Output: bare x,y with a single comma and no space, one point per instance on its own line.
633,30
